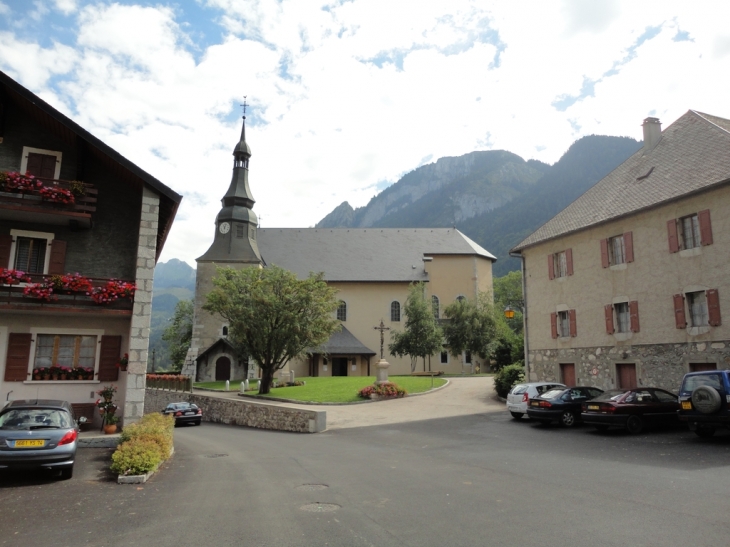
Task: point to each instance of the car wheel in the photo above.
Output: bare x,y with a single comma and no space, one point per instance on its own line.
634,424
67,473
516,415
706,399
705,432
567,419
601,427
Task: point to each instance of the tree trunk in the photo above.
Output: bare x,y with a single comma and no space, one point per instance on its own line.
267,377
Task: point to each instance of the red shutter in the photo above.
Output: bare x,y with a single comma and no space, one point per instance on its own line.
673,236
604,253
554,324
573,325
569,260
679,317
6,240
629,246
634,315
705,227
551,266
608,312
713,307
109,353
16,364
57,263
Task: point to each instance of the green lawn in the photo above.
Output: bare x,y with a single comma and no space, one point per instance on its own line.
337,389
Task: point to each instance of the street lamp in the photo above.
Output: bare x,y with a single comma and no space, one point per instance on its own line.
509,313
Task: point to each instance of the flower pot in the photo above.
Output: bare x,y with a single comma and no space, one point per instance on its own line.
37,377
46,376
110,428
63,376
54,376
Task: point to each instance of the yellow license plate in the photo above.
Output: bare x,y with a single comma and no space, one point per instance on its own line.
686,405
30,443
535,404
592,407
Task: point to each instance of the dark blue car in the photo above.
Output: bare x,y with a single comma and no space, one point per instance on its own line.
704,400
562,405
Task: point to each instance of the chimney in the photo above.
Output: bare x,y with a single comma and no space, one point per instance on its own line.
652,132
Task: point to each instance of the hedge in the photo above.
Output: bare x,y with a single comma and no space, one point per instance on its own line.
144,445
508,377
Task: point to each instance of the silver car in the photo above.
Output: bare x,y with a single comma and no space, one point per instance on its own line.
519,395
38,434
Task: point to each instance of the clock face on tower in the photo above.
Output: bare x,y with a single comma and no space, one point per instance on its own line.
224,227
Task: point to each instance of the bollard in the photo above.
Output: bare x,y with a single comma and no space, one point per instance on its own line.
245,384
228,385
243,387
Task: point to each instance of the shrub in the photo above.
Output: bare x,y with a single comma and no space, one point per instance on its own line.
136,457
508,377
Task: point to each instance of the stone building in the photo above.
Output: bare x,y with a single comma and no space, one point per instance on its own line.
371,268
626,285
114,229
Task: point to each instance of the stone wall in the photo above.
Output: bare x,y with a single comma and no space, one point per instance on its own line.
657,365
241,412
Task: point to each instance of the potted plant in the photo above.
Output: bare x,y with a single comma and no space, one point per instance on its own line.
55,371
123,362
110,424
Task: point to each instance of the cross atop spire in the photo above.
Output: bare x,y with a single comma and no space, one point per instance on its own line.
244,105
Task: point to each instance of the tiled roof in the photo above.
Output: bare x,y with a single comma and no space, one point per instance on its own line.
693,154
370,254
343,342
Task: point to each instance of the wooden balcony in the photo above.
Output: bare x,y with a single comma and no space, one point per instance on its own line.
31,207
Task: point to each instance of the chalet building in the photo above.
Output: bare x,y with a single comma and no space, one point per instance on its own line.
371,268
81,228
628,285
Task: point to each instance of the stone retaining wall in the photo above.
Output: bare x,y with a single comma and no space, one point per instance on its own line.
239,412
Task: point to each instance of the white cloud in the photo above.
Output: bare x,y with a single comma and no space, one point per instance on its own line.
67,7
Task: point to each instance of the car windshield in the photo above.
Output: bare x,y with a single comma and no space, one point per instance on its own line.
693,382
552,394
611,395
519,389
35,418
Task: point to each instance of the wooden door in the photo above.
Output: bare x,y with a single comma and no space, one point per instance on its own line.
626,375
698,367
222,369
339,366
567,373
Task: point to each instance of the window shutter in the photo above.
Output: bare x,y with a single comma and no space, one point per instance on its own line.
554,324
6,240
634,315
604,253
679,315
569,260
705,227
551,266
713,307
57,263
573,325
608,312
673,236
109,353
16,364
629,246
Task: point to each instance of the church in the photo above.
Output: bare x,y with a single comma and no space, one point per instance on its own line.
371,268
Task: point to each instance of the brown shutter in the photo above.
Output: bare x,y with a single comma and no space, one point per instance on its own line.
569,260
608,312
573,325
16,364
634,315
551,266
713,307
109,353
604,253
629,246
554,324
57,263
673,236
705,227
679,317
6,240
33,165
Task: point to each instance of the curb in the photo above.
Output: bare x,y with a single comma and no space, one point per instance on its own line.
105,441
141,479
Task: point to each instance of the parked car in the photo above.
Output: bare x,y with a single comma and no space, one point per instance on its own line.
562,405
184,413
633,409
520,394
704,400
38,434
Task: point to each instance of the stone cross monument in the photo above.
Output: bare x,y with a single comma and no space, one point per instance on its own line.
382,365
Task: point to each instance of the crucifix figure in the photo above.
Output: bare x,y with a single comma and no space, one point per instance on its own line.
382,328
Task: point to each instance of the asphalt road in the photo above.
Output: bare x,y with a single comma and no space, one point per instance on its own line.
482,479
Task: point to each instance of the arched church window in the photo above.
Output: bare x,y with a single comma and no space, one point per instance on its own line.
342,311
225,331
395,311
435,306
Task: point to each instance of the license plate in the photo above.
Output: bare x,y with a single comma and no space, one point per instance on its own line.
535,404
30,443
189,413
686,405
592,407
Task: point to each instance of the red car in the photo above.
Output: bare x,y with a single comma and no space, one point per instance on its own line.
633,409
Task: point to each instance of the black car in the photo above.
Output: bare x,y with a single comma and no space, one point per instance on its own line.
705,401
632,409
184,413
562,405
38,434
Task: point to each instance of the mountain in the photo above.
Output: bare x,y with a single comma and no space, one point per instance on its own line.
494,197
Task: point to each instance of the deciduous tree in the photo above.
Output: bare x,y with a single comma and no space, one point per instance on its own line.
422,335
179,334
473,326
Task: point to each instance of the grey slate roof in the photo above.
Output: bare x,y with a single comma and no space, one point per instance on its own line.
692,156
343,342
222,342
369,254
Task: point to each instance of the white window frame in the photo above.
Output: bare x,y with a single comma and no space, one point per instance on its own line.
35,331
15,234
29,150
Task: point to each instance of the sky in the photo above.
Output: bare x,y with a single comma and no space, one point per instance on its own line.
347,96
